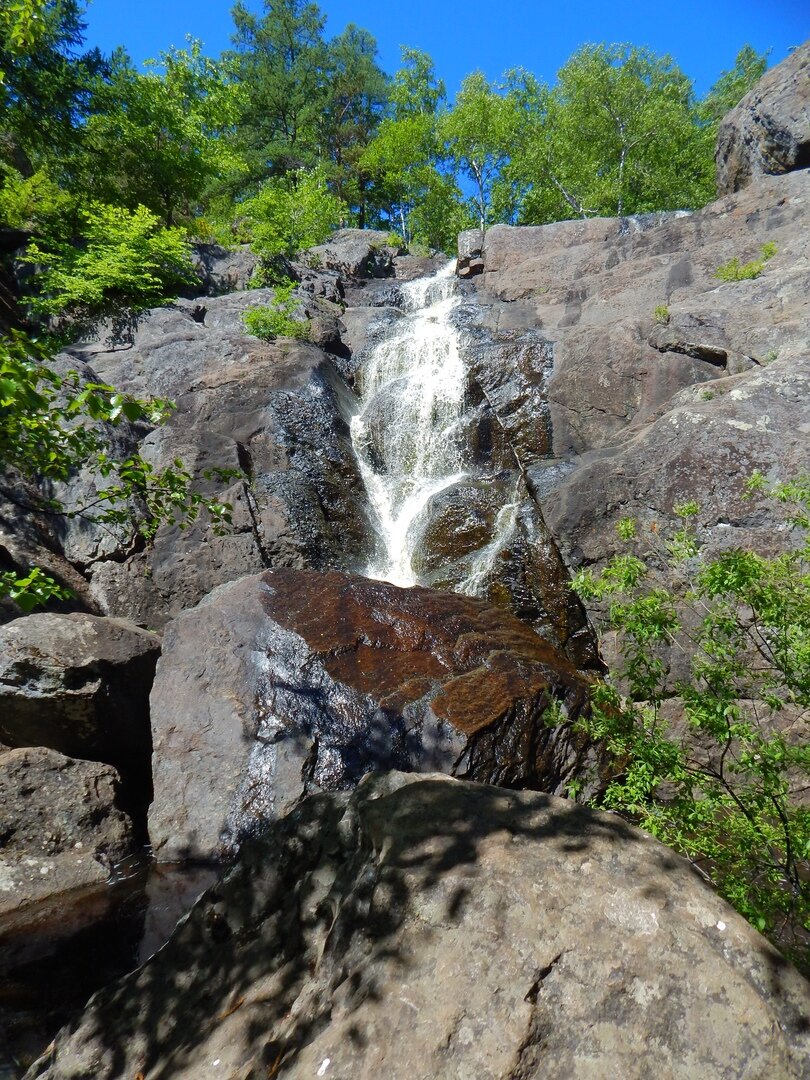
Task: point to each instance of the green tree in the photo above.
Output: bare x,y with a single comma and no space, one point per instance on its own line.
618,134
356,94
725,787
125,262
279,61
44,93
291,213
404,159
476,133
733,85
158,139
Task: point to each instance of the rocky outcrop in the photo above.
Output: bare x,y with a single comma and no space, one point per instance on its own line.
223,270
60,825
426,927
644,408
768,133
80,685
262,426
356,253
290,682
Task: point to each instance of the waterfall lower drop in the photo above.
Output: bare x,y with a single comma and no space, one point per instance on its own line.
407,435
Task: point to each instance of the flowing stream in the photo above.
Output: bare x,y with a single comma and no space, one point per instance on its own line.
407,434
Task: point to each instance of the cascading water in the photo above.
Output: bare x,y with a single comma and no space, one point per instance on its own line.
407,434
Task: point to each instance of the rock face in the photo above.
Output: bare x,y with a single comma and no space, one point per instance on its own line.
290,682
60,826
265,423
430,927
769,131
80,685
636,412
356,253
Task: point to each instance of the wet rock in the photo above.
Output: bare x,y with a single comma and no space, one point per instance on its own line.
260,425
290,682
411,267
768,132
80,685
486,537
422,926
60,825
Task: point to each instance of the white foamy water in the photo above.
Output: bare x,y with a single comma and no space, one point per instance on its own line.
406,434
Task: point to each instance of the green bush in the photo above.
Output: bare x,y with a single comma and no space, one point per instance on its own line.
734,270
291,213
124,262
720,790
278,318
661,315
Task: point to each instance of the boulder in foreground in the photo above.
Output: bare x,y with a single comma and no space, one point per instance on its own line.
290,682
424,927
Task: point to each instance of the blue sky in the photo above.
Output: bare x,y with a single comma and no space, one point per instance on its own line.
493,35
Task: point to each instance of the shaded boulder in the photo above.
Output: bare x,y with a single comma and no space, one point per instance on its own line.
290,682
223,270
768,132
60,825
427,927
80,684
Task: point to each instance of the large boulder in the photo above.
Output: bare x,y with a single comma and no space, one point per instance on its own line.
427,927
261,425
60,825
290,682
80,684
769,131
356,253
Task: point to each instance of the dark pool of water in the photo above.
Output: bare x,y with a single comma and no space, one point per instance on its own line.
55,955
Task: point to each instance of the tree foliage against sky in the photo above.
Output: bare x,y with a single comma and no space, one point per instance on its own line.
193,138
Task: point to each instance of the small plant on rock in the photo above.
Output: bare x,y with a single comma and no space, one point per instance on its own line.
734,270
661,315
277,319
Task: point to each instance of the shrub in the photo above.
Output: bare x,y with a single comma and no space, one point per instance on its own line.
277,319
661,314
734,270
291,213
50,427
720,790
125,261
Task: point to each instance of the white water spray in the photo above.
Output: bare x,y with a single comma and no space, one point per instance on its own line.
407,433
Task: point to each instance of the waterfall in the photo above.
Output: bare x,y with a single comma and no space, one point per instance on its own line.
408,432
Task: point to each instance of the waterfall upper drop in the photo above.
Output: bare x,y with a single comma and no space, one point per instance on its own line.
407,434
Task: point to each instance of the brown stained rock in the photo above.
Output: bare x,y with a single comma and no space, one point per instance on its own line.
291,681
60,826
423,927
768,132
